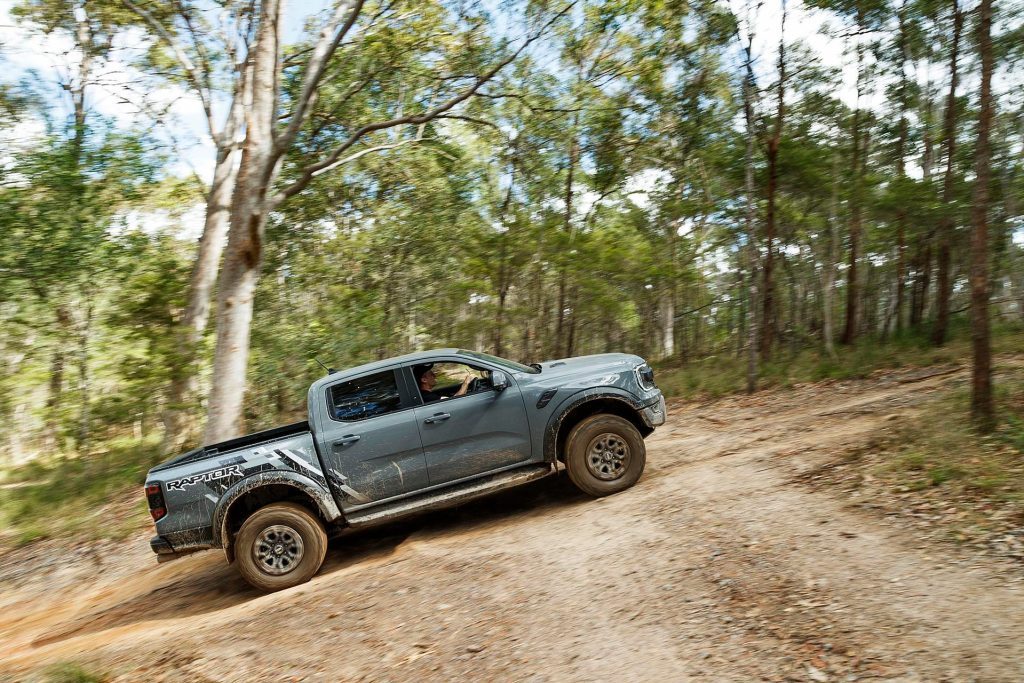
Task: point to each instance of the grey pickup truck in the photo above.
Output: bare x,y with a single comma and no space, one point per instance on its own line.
397,437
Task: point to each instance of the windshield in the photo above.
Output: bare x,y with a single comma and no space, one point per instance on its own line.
510,364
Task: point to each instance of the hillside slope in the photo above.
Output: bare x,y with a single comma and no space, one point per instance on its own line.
721,564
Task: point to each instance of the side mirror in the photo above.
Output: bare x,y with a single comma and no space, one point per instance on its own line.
499,380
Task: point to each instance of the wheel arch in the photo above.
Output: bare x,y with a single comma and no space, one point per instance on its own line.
252,493
579,408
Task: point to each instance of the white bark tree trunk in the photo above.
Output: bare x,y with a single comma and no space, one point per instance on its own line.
184,379
828,267
242,258
751,211
668,315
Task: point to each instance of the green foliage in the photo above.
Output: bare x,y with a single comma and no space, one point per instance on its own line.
55,496
940,448
724,374
69,672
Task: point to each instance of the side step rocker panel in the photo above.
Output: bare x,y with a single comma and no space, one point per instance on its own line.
449,497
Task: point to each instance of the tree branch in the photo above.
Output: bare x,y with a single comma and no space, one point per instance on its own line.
472,119
369,150
331,35
190,69
313,170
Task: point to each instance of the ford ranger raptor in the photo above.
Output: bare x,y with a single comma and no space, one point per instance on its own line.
398,437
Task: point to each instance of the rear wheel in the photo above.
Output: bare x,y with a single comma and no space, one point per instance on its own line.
604,454
280,546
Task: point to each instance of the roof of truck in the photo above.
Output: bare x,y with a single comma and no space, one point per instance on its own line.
386,363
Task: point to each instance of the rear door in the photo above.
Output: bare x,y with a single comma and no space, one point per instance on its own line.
481,431
370,439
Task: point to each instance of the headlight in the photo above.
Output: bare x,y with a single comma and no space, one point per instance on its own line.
645,376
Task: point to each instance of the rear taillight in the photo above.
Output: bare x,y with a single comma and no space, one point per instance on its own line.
155,499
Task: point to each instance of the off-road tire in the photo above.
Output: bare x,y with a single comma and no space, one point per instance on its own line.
610,434
269,520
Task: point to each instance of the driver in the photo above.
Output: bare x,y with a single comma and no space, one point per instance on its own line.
427,380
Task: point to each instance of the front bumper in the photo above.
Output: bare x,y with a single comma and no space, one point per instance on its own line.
654,414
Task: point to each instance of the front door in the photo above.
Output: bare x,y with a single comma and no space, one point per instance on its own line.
370,440
471,431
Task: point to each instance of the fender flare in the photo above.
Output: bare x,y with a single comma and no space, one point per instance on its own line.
574,401
324,501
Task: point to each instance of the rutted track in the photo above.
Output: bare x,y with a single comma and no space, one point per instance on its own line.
716,566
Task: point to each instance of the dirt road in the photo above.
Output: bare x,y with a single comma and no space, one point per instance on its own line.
719,565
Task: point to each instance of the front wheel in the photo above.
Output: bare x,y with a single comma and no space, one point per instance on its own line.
280,546
604,454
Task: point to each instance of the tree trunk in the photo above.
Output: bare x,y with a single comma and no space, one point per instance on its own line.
83,40
944,283
499,321
177,428
901,150
901,272
244,251
668,315
982,405
828,274
573,157
741,321
853,284
768,312
55,394
794,306
924,277
84,384
570,341
504,274
751,322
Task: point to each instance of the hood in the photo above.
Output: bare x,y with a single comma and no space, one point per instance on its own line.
585,364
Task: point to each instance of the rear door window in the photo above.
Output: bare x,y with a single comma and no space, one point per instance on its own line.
365,397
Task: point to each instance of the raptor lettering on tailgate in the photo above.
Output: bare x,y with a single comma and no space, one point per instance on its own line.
213,475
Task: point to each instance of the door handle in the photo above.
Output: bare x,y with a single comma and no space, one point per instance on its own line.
437,417
346,440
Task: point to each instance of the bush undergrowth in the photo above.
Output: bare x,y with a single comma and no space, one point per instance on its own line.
940,448
67,493
726,373
69,672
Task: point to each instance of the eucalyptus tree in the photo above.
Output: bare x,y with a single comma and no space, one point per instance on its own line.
944,282
209,60
902,201
982,403
62,273
596,45
772,143
280,95
683,110
864,18
749,93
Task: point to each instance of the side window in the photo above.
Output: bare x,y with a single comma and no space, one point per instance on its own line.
445,380
364,397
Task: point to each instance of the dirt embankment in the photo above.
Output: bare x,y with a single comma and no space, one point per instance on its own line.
722,564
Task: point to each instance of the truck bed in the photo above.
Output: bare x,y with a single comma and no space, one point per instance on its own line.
233,444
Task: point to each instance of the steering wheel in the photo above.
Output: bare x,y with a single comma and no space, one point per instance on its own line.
475,385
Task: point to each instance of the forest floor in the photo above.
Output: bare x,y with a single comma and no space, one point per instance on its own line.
740,555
